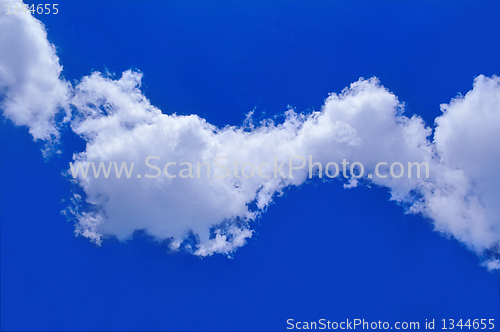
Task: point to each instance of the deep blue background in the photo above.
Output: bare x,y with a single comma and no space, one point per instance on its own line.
320,251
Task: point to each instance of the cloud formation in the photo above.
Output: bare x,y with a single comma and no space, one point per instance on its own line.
464,200
32,93
364,123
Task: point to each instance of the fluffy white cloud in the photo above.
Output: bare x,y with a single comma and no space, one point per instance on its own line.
464,200
31,91
365,123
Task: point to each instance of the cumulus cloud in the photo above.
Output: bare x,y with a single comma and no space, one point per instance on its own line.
364,123
464,200
31,90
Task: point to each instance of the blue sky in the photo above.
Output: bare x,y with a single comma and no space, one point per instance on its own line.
318,251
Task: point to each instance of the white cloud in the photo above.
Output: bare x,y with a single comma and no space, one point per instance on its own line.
32,92
492,264
365,123
467,137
